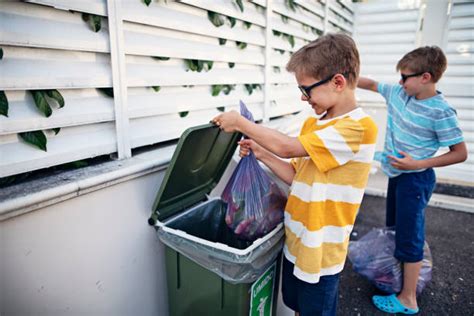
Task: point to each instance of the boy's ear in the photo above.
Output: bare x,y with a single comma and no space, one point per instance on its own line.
427,77
340,81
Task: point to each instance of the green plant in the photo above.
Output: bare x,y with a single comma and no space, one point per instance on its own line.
281,51
35,138
251,87
241,45
222,41
247,25
94,21
284,18
156,88
226,88
107,91
147,2
232,21
43,98
3,104
221,109
198,65
231,65
291,4
240,5
316,31
215,18
276,69
1,53
160,58
288,37
183,113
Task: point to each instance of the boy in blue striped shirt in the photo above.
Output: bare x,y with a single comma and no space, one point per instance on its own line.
419,122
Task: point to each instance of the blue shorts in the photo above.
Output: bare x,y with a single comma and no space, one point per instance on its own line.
407,197
306,298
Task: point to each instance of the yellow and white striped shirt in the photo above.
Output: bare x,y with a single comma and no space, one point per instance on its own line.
327,191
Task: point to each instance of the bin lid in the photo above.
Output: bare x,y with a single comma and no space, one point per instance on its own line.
199,160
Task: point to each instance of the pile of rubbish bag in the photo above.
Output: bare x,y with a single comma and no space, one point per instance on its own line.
372,257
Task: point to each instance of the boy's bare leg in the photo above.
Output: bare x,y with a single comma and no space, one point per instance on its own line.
411,271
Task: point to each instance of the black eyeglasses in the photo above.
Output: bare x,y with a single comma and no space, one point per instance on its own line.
405,77
306,91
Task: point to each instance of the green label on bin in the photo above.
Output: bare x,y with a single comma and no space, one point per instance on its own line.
261,301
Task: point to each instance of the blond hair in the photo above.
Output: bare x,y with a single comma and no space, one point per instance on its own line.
330,54
425,59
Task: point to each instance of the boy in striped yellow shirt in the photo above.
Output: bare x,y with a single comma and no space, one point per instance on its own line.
328,172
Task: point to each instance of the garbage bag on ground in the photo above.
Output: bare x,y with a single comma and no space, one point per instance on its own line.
255,203
372,256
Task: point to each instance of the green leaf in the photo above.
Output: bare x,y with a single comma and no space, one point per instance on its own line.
232,21
183,114
249,88
200,65
216,89
291,39
107,91
281,51
56,130
3,104
160,58
231,65
221,108
35,138
306,28
284,18
227,88
93,20
41,103
240,4
54,94
208,65
147,2
1,53
276,33
222,41
241,45
247,25
215,18
191,64
291,5
276,69
156,88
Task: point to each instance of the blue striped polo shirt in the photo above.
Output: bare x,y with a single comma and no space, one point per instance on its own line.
417,127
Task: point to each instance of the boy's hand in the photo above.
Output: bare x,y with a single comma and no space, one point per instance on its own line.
228,122
247,145
404,163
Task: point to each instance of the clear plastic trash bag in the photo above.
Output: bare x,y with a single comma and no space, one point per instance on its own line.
255,203
372,257
201,235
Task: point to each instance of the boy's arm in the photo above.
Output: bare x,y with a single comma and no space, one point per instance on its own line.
457,153
367,84
277,143
282,169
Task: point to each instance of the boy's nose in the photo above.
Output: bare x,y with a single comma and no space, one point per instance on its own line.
303,98
401,82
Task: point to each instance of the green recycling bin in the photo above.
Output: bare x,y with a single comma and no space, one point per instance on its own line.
209,270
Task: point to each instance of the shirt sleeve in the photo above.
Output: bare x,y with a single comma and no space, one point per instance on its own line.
334,145
385,90
447,128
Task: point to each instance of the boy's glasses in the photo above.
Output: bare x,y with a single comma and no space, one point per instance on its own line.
306,90
405,77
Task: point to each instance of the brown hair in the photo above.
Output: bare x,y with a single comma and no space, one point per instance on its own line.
428,59
330,54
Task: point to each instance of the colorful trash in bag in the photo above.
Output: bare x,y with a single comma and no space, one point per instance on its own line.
372,257
255,203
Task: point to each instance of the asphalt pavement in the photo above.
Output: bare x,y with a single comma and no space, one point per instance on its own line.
450,235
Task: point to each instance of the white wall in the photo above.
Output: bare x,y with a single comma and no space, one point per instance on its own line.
90,255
